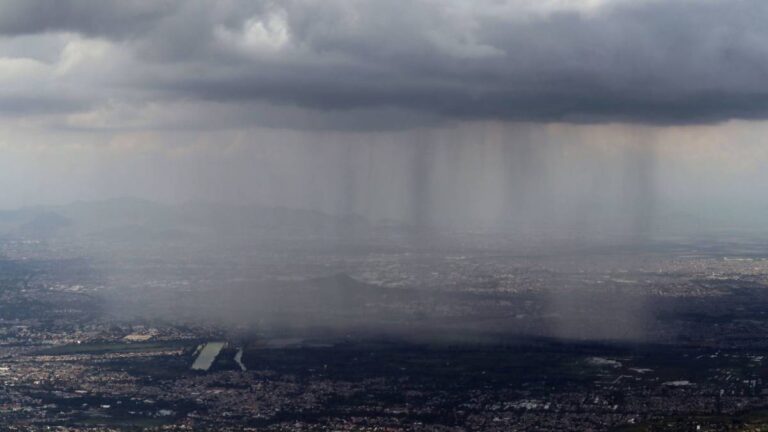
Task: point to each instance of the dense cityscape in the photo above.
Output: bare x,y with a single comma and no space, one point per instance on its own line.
460,333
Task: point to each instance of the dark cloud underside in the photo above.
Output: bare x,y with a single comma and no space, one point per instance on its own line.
678,61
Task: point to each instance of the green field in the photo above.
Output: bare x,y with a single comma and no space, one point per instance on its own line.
119,347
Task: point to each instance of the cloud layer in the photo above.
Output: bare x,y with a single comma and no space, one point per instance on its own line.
369,64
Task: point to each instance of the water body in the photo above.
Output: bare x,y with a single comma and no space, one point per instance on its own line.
207,355
239,359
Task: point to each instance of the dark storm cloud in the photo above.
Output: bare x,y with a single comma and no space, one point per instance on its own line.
90,17
679,61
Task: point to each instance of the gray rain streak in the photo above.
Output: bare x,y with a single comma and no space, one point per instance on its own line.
483,176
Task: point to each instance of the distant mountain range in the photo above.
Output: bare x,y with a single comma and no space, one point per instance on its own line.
138,219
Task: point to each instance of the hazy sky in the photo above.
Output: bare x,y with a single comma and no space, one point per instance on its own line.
329,103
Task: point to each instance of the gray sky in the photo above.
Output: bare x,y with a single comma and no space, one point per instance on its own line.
283,102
